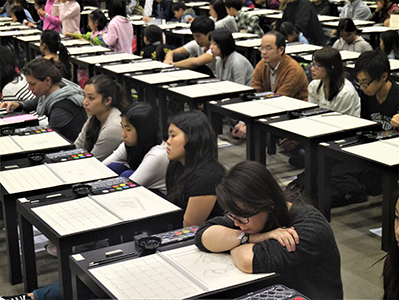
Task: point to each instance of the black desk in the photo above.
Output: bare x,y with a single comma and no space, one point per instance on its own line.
28,218
329,151
247,111
84,282
309,140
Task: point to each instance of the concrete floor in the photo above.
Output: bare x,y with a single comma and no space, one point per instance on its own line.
360,250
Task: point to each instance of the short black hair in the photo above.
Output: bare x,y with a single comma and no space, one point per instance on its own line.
176,6
203,25
117,8
19,13
21,2
220,8
346,25
237,4
224,40
280,39
98,16
375,63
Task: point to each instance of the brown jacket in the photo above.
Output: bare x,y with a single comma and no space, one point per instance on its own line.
290,81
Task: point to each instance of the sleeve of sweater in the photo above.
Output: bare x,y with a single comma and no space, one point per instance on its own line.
111,36
257,78
347,101
253,22
291,82
108,140
119,156
68,12
55,20
303,16
239,71
312,89
362,13
55,11
80,140
167,10
29,105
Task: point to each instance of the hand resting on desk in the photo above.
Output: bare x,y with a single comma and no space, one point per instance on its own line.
9,105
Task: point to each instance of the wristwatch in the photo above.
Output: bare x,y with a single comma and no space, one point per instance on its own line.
244,238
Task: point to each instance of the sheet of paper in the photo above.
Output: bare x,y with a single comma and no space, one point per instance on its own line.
135,204
135,67
306,127
8,146
75,216
69,43
40,141
394,63
108,58
241,35
253,108
349,55
392,141
14,27
372,29
324,18
288,103
29,38
228,87
384,153
341,121
158,78
263,11
19,118
194,91
184,31
29,179
82,170
88,49
301,48
149,277
249,43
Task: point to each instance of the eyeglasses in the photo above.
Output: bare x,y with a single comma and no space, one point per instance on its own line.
364,84
267,48
315,65
241,220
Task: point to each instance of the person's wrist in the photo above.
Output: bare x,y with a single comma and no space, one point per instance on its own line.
46,15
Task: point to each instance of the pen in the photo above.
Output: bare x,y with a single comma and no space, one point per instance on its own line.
331,115
349,143
113,259
47,198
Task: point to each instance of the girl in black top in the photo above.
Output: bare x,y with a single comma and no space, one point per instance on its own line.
154,46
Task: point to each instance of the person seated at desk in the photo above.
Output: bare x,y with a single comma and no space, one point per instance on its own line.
349,40
142,156
6,9
49,21
245,22
383,12
98,26
154,47
322,7
302,14
194,170
355,10
390,272
329,87
103,102
266,230
13,85
161,9
39,6
182,13
277,72
389,43
201,58
380,95
230,65
69,13
119,36
18,14
217,11
292,33
270,4
57,98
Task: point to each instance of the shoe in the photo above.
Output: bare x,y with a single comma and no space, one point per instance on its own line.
51,249
17,297
297,161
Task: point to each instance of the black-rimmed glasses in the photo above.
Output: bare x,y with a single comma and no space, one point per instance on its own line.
241,220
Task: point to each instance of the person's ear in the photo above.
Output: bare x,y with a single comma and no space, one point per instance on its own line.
48,81
281,50
384,76
108,101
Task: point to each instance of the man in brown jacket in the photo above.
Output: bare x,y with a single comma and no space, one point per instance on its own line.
276,72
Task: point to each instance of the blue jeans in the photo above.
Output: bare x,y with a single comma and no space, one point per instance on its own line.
50,292
120,169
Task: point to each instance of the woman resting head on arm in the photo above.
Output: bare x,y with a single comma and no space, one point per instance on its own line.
103,102
194,170
52,49
142,155
266,231
330,89
391,267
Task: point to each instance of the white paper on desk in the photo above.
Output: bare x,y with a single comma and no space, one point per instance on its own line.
75,216
249,43
228,87
135,67
8,146
371,29
40,141
301,48
288,103
87,49
82,170
324,18
68,43
182,31
29,38
349,55
240,35
28,179
194,91
379,151
306,127
158,78
263,11
341,121
394,64
14,27
253,108
108,58
392,141
135,204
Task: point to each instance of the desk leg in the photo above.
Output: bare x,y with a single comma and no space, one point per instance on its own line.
324,185
79,289
28,254
250,141
11,228
90,71
216,121
389,186
271,143
311,171
163,114
64,250
259,145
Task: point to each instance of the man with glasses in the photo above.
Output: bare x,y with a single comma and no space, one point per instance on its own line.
380,95
277,72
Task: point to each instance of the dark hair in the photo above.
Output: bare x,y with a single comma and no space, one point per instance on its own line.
248,189
117,8
8,64
202,25
200,149
224,40
21,2
390,272
375,63
106,87
154,35
177,5
330,59
287,28
98,16
220,8
19,12
41,68
143,117
346,25
52,40
237,4
390,40
280,39
40,3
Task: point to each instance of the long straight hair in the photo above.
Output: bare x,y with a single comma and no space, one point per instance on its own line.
330,59
200,149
